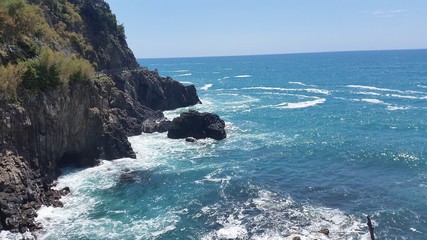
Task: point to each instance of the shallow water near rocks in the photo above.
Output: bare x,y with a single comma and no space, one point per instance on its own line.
314,140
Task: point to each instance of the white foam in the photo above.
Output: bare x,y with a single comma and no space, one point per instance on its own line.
390,107
312,90
302,84
269,216
384,89
394,108
368,93
186,83
6,235
421,86
163,231
298,83
315,90
373,100
243,76
206,86
305,104
406,96
181,71
184,75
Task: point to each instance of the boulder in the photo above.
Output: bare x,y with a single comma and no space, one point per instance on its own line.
197,125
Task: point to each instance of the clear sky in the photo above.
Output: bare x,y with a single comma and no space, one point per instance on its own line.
187,28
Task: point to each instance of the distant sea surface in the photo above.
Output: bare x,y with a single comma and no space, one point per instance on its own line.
314,140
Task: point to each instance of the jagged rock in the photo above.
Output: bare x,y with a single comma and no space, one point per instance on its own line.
153,125
324,230
197,125
296,238
76,123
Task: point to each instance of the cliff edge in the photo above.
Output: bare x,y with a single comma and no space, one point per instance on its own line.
70,111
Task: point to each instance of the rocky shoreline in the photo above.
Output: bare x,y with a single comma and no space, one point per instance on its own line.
74,124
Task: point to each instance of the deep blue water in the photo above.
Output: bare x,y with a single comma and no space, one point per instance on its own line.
314,140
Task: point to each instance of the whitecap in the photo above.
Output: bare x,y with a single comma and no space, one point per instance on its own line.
311,90
315,90
181,71
305,104
406,96
394,108
243,76
390,107
384,89
206,86
184,75
368,93
373,100
301,84
298,83
186,83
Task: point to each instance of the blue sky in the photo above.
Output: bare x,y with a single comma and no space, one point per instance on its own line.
188,28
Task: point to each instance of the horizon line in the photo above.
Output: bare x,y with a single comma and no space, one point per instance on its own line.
289,53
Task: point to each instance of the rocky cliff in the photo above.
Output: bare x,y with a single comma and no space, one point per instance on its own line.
75,123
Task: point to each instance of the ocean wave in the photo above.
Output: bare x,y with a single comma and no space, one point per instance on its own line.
393,95
243,76
368,93
291,105
390,107
385,89
184,75
188,83
406,96
312,90
268,216
373,100
206,86
180,71
302,84
421,86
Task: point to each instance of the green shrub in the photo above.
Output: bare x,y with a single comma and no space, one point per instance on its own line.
54,68
10,78
41,76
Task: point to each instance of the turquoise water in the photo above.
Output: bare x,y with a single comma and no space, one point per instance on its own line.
315,140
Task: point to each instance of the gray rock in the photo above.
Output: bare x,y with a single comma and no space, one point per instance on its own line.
197,125
324,230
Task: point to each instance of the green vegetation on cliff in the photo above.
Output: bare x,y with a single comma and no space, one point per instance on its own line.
45,43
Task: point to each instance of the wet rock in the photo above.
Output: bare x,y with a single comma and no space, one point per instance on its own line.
153,125
324,230
296,238
197,125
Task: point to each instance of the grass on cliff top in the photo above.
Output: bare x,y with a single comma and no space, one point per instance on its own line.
50,69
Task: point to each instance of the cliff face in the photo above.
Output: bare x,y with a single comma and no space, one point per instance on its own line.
79,122
74,124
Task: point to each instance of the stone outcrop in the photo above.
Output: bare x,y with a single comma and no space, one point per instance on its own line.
75,124
197,125
22,191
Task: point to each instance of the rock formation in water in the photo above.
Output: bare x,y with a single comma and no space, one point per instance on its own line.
197,125
76,122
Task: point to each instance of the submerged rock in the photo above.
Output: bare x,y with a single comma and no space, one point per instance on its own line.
197,125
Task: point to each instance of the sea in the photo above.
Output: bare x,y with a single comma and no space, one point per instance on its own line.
316,140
